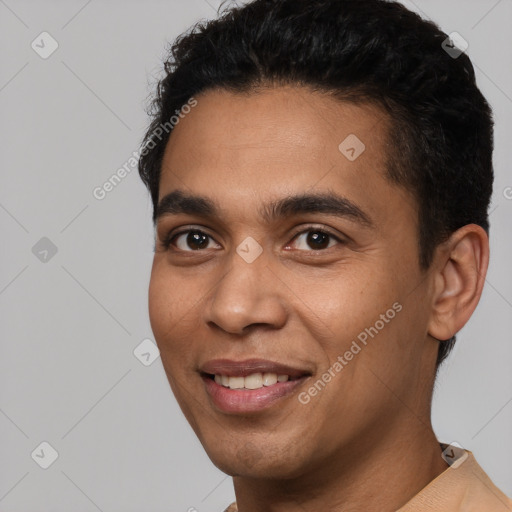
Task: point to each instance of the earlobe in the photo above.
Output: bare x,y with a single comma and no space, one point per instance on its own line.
459,280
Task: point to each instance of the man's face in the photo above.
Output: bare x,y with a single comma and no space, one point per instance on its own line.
289,290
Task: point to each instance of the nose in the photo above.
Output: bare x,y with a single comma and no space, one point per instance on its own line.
248,294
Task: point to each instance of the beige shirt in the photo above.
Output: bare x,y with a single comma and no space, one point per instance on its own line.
463,487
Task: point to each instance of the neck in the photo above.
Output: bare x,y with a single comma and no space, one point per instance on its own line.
378,477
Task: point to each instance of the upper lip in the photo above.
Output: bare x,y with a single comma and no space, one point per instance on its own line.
246,367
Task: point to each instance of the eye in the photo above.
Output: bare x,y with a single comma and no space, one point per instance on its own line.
316,239
194,240
191,240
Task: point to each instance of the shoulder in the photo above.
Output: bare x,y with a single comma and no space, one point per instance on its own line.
464,486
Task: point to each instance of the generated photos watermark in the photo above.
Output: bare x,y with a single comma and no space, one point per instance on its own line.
343,360
101,191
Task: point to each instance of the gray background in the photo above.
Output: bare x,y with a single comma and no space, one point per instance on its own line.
70,324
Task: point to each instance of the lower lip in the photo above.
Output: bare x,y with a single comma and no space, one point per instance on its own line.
249,400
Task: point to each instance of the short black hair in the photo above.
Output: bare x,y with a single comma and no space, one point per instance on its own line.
440,142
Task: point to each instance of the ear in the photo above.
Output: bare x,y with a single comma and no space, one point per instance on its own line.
460,268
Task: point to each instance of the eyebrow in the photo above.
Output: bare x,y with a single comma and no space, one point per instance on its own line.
178,202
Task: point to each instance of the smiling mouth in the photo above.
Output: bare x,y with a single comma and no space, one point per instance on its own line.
251,393
250,382
250,385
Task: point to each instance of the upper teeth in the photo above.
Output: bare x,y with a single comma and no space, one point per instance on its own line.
253,381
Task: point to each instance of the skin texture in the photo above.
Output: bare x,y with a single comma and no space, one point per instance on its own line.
365,442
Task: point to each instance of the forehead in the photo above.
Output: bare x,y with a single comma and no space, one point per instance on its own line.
239,148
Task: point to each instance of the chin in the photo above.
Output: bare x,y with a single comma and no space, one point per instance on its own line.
250,460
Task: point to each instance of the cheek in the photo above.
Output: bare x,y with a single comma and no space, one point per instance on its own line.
349,301
372,321
166,303
174,303
158,302
169,297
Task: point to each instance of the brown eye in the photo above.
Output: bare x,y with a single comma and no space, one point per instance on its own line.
196,240
190,240
315,239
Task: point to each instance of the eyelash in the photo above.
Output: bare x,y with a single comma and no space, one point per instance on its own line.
167,241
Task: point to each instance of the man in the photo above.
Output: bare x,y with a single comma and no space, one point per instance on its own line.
320,174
